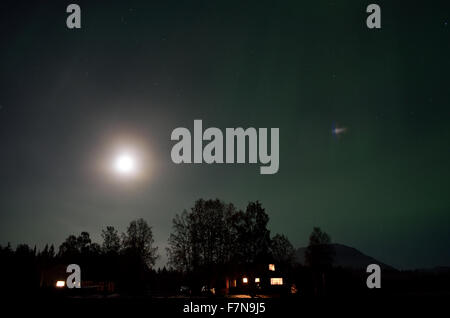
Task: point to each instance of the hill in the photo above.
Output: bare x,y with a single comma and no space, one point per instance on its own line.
347,257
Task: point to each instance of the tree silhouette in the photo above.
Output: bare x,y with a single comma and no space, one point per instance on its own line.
215,233
84,242
319,255
69,246
282,250
252,235
82,245
180,250
320,252
138,241
201,237
111,240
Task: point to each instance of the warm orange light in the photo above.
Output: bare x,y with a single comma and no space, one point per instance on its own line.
245,280
257,280
272,267
60,283
276,281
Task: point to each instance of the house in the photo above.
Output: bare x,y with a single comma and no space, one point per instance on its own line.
259,278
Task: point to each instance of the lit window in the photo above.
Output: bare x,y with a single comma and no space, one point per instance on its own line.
257,280
276,281
245,280
234,283
272,267
60,283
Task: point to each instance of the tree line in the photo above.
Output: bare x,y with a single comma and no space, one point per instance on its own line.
210,237
216,233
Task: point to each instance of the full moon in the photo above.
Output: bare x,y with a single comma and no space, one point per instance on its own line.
125,164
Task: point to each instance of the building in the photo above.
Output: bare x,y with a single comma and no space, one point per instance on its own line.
257,279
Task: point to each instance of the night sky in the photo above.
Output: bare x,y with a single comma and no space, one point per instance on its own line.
136,70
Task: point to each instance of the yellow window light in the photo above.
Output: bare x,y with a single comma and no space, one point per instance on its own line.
276,281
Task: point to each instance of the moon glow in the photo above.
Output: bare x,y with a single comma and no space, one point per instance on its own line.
125,164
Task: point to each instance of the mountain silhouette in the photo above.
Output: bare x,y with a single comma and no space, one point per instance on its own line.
347,257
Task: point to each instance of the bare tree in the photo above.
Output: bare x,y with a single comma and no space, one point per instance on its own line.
215,233
180,248
111,240
282,250
201,237
138,240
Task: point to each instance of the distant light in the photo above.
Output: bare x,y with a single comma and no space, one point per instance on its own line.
60,283
245,280
276,281
257,280
272,267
